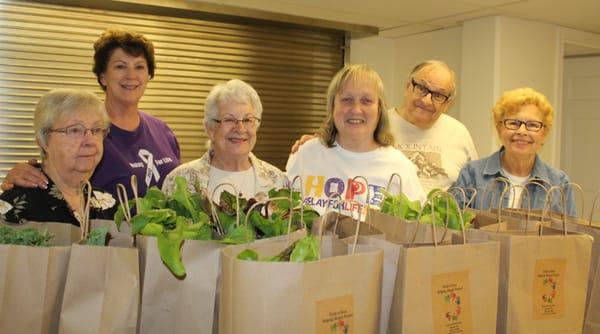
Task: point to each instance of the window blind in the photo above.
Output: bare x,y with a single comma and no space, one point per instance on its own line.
45,46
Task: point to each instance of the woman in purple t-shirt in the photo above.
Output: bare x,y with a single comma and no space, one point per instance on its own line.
138,144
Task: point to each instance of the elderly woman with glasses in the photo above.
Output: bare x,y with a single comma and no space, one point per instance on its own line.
70,126
523,119
232,115
138,144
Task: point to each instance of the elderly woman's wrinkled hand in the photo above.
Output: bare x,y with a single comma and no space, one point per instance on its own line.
301,141
25,175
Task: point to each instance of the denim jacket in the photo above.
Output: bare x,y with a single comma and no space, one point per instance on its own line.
479,173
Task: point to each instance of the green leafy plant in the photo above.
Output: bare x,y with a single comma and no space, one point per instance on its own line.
98,236
191,216
25,237
443,210
302,250
400,206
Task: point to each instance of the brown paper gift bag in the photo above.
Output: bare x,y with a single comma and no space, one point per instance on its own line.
102,291
403,231
592,318
543,282
592,228
391,256
543,277
396,229
172,305
32,281
446,288
343,226
340,293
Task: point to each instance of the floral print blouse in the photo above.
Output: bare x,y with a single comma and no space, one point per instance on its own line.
197,174
19,205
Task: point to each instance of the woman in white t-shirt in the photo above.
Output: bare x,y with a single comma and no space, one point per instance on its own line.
232,115
355,140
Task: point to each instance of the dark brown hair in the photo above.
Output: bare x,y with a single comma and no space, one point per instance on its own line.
131,42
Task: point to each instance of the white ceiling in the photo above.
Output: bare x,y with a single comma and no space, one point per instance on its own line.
396,18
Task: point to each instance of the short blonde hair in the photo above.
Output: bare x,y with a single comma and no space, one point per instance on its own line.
328,131
59,102
510,102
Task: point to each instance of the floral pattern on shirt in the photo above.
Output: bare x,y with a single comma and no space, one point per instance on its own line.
4,207
197,174
20,205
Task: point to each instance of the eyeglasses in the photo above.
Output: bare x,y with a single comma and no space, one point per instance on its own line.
515,124
78,131
423,91
247,122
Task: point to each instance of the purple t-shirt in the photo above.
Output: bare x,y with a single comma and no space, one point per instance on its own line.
150,152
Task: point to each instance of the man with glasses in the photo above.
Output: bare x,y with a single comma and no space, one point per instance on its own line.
436,143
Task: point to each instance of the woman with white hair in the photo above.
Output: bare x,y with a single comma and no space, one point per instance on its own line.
232,115
70,126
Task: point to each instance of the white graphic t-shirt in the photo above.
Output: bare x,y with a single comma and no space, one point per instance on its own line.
438,152
327,171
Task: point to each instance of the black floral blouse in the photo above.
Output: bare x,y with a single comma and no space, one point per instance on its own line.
48,205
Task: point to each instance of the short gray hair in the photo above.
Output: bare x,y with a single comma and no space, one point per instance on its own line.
234,90
59,102
438,64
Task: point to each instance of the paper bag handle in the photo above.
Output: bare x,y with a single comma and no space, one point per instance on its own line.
213,211
488,189
461,191
368,199
524,191
266,204
387,187
124,202
329,207
134,191
356,232
571,185
468,194
358,223
593,207
85,196
548,207
291,187
431,200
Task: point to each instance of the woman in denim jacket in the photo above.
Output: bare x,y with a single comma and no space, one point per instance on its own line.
523,118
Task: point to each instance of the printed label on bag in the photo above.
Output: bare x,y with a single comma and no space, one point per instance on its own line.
549,289
451,303
336,315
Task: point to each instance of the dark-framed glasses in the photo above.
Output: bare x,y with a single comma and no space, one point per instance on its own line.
515,124
230,122
422,91
78,131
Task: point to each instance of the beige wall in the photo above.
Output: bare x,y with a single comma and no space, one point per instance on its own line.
490,55
394,58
